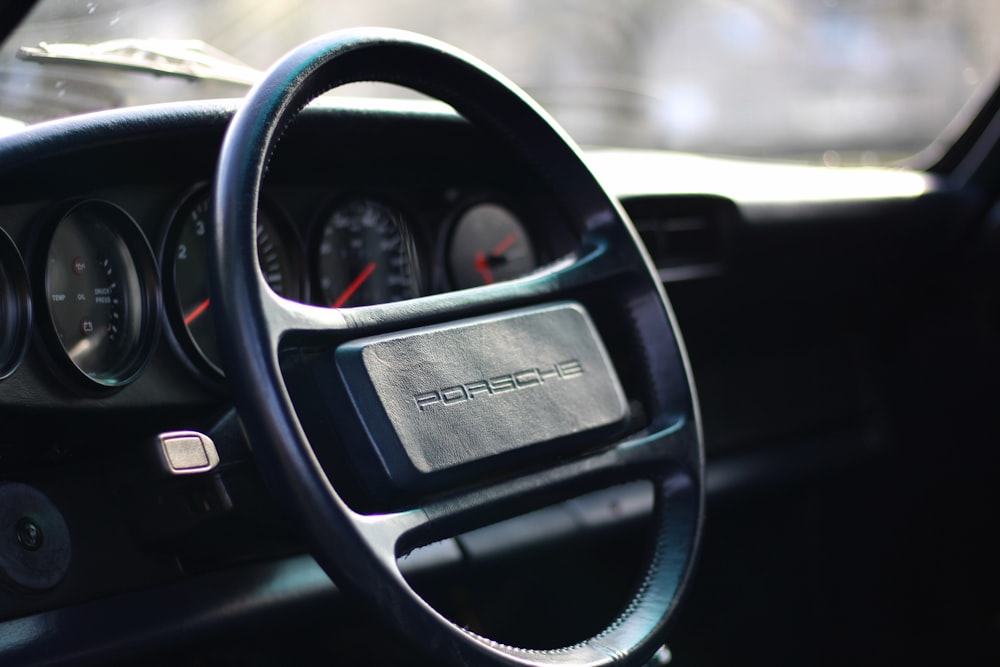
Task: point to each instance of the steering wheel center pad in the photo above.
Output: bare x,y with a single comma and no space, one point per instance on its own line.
472,394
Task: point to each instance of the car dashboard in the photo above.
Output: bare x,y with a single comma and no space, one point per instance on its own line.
798,309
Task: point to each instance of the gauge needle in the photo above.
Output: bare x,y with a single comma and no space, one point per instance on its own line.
484,261
483,267
353,287
194,314
504,245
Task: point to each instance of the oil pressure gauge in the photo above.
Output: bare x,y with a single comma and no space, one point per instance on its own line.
100,289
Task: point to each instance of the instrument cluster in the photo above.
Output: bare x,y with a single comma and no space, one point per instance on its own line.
96,289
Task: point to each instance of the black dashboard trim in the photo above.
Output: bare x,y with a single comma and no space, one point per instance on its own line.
203,607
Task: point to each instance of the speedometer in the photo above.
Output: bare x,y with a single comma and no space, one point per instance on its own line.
365,255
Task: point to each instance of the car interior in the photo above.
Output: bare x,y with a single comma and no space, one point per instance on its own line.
297,379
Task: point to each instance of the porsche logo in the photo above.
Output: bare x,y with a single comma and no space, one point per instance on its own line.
498,384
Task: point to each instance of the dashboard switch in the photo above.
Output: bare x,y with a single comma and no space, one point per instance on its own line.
187,452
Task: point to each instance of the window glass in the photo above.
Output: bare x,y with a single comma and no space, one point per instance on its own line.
834,81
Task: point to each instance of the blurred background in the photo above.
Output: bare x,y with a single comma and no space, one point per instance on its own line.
826,81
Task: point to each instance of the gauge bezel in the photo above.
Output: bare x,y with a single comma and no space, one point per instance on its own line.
128,232
403,224
459,210
15,294
179,335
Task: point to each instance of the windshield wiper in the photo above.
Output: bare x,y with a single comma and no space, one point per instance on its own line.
189,59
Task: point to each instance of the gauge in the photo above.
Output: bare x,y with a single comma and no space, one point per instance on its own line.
186,264
100,289
489,244
364,255
15,306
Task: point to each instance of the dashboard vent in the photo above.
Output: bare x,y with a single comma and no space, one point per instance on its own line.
686,235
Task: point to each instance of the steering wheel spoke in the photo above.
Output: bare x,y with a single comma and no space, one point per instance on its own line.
598,262
387,532
661,458
285,316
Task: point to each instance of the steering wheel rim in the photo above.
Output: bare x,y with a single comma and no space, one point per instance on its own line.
360,551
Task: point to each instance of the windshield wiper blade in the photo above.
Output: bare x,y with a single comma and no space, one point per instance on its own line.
185,58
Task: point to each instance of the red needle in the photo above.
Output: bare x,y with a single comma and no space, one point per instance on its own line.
483,267
194,314
504,245
353,287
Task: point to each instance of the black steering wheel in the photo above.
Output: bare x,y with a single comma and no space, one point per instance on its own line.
459,408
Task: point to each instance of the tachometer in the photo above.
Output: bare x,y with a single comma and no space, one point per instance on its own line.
101,290
186,262
365,255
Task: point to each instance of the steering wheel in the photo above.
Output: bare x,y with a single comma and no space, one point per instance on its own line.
466,406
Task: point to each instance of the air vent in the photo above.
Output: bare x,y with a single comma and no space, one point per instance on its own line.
686,235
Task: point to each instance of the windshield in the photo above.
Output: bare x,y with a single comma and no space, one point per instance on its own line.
835,81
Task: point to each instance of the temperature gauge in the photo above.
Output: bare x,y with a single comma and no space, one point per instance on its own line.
100,289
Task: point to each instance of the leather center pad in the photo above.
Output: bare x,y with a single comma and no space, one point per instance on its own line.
439,401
